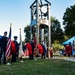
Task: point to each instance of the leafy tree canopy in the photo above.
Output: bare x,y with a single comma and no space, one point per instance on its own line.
56,31
69,21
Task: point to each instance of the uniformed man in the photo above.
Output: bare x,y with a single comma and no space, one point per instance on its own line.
4,41
15,49
17,46
0,51
33,46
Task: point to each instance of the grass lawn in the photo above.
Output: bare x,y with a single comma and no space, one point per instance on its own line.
39,67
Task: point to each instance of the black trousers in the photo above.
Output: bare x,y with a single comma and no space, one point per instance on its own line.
13,57
43,56
30,57
4,57
0,53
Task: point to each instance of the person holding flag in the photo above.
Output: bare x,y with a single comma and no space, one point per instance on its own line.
8,47
33,47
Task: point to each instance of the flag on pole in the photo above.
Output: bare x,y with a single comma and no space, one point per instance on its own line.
20,46
8,47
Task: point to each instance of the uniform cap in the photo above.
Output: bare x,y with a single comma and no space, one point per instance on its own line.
15,37
5,32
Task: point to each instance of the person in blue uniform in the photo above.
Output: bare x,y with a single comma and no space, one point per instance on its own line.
33,46
0,51
4,41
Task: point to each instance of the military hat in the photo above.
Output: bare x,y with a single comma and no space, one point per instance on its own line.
15,37
5,32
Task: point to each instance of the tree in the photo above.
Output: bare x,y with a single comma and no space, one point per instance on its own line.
56,46
27,32
69,21
56,31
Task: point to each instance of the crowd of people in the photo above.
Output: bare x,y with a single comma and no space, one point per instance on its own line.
32,48
35,50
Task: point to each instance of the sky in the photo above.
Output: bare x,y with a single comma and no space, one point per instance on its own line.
18,12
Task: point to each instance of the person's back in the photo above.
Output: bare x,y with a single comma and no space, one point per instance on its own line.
29,47
40,48
13,47
68,50
44,49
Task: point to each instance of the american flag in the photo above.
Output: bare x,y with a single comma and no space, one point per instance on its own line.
8,47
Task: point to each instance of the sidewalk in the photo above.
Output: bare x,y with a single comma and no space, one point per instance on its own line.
65,58
70,59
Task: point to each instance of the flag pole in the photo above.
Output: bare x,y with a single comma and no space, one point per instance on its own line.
10,24
20,47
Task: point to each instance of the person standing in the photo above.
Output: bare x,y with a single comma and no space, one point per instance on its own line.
4,41
74,49
44,51
40,49
0,52
29,47
15,48
68,50
33,46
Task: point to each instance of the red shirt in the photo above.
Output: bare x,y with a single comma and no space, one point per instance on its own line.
13,47
40,49
29,47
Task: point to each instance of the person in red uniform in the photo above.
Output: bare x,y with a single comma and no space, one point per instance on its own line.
14,48
29,47
51,52
68,50
40,48
13,51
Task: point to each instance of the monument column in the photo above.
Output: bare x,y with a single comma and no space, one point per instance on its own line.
31,26
49,23
49,33
37,21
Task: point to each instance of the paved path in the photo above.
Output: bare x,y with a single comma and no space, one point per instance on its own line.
65,58
70,59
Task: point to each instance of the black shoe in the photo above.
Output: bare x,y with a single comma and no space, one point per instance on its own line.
0,62
4,62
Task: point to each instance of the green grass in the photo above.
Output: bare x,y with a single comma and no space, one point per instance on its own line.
39,67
